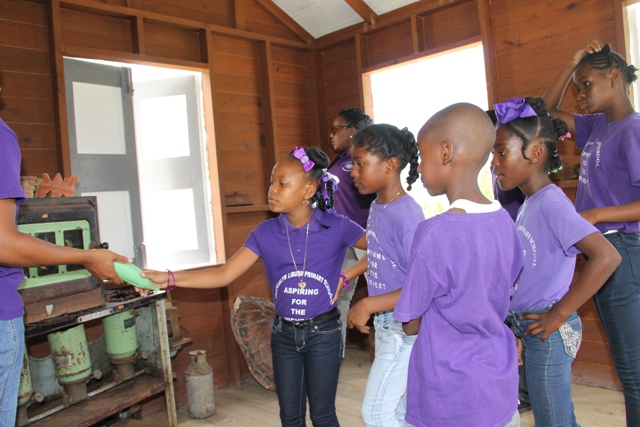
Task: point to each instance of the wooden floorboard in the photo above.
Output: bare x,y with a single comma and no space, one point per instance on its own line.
253,406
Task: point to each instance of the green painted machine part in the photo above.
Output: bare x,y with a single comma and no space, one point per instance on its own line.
70,353
74,234
25,389
121,335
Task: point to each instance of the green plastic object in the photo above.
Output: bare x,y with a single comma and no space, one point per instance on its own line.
130,273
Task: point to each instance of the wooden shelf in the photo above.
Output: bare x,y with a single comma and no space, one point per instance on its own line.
100,406
249,208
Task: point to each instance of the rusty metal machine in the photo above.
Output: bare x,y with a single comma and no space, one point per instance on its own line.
68,379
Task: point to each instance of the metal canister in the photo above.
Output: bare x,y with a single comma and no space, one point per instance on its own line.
200,386
120,334
121,341
72,363
26,388
70,353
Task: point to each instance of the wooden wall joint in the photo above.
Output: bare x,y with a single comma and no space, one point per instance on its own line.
138,35
60,99
365,12
488,47
240,14
288,21
360,64
268,106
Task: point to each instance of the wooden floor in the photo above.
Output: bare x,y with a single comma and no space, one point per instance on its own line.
256,406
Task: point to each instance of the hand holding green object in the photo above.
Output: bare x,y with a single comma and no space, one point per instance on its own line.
130,273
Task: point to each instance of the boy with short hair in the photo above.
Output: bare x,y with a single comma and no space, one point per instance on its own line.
463,368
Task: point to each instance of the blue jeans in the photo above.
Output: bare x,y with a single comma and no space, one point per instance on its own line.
385,395
618,304
306,363
548,369
11,355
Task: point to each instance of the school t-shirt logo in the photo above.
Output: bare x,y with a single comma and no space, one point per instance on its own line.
348,166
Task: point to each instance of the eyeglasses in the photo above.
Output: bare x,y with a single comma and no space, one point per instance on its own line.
335,128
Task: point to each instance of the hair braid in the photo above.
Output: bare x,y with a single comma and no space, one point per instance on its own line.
606,59
543,126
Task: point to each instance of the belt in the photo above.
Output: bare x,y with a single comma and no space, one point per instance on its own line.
333,314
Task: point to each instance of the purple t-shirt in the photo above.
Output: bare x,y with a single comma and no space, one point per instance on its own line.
11,305
349,201
390,231
549,227
609,165
329,237
463,368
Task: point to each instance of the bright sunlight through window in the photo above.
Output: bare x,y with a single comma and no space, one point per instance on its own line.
410,94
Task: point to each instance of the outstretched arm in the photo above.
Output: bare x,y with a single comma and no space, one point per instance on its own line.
22,250
212,277
555,91
603,259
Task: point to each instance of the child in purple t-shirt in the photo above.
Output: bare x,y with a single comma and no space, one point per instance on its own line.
543,307
349,201
19,250
463,368
380,153
608,193
303,250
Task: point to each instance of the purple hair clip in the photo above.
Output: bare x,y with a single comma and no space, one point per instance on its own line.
300,154
514,108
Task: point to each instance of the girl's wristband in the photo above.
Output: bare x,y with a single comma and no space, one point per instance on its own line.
345,281
171,281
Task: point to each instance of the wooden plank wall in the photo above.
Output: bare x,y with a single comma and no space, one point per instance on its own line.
271,91
530,40
262,84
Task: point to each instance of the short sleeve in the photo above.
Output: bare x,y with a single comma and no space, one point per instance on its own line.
566,224
630,152
10,187
422,284
584,127
252,242
350,231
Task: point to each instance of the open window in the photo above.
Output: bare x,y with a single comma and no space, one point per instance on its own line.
137,143
410,93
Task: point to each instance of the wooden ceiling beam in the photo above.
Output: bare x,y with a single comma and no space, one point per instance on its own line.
288,21
386,19
363,9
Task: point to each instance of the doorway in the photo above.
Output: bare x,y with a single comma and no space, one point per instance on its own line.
136,137
409,94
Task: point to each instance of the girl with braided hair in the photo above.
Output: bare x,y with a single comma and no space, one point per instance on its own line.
302,250
349,201
608,194
543,307
380,153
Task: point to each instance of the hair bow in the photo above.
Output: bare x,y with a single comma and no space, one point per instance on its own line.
514,108
325,194
300,154
565,136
